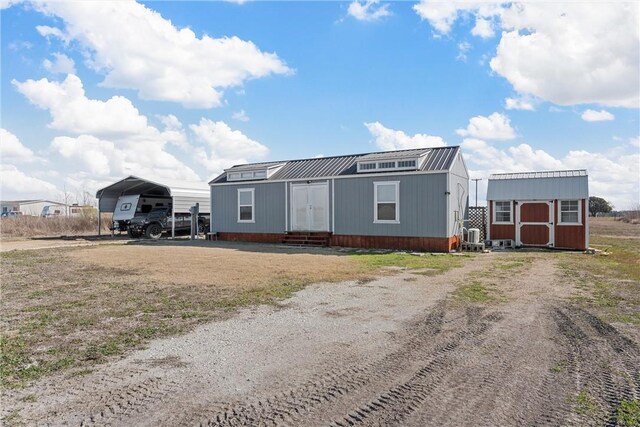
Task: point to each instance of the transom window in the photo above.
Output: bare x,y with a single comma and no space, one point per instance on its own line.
407,164
502,212
569,212
246,202
367,166
240,176
386,165
386,195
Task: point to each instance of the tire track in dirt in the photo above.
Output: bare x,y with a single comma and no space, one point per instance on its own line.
372,383
604,366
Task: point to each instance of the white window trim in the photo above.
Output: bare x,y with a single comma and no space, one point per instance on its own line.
253,205
510,213
375,203
579,212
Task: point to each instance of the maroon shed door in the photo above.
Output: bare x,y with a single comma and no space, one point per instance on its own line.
535,223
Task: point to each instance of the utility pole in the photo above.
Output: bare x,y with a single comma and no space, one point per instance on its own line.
476,180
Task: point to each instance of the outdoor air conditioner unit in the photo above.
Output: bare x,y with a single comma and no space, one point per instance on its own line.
474,235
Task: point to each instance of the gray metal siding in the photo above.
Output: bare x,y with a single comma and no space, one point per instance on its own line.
538,188
423,206
269,209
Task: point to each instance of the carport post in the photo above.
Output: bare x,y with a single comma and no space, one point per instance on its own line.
173,217
99,225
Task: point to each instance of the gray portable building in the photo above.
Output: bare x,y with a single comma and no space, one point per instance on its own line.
544,208
408,199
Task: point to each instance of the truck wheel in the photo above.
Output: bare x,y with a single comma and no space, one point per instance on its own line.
132,234
154,231
203,228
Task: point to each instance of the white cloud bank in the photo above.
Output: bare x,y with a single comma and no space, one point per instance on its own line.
136,48
495,127
15,185
369,10
388,139
12,150
597,116
613,175
566,53
106,140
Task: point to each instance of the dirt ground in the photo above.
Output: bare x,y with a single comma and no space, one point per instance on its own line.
507,338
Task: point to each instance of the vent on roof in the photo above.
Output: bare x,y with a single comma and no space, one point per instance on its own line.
253,174
402,164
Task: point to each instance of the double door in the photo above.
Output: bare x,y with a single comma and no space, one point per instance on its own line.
310,207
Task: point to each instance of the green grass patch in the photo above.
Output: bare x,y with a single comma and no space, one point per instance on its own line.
440,262
559,367
585,404
17,367
475,292
628,413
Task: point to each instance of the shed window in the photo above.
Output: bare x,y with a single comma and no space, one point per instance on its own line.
367,166
246,205
386,195
502,212
569,212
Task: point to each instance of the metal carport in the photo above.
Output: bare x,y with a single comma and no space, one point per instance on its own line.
183,195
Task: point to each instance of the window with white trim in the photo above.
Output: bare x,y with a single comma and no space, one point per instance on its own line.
386,165
502,212
386,202
569,212
246,202
406,164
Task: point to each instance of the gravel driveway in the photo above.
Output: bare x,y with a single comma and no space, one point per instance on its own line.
399,350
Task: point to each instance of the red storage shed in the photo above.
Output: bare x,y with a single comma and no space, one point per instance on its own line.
548,209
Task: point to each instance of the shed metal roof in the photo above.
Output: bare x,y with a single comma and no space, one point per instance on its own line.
437,159
545,185
540,174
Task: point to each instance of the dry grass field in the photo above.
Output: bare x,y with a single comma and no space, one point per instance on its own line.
525,337
32,226
66,309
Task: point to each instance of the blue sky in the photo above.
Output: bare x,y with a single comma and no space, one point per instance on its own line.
174,90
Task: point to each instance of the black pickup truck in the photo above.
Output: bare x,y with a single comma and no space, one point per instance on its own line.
158,220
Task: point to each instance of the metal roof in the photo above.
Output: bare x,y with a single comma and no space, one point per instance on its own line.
184,193
545,185
541,174
437,159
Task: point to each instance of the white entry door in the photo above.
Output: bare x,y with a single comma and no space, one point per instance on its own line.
310,207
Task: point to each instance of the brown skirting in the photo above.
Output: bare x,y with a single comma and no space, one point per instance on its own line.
431,244
248,237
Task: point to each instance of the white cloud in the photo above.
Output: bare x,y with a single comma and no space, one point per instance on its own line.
597,116
570,54
368,10
494,127
518,104
61,64
72,111
389,139
12,150
613,176
240,116
483,28
136,48
463,48
635,142
111,138
566,52
15,184
442,15
226,147
5,4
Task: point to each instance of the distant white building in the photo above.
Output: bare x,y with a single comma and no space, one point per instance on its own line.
33,207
